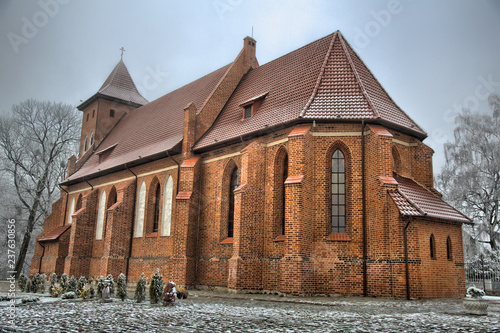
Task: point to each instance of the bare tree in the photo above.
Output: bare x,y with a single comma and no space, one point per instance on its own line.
470,179
35,141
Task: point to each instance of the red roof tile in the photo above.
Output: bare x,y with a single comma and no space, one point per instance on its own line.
151,129
322,80
53,234
414,200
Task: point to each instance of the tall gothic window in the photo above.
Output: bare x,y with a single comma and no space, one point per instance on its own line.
449,248
156,217
283,193
232,186
338,192
71,211
168,191
100,216
432,247
139,210
85,144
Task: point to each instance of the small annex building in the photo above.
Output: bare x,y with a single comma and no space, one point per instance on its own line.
299,176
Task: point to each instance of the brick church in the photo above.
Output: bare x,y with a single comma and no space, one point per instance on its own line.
299,176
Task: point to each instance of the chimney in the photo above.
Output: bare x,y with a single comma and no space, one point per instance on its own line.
249,45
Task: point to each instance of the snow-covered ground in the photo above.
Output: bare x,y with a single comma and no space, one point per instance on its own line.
213,313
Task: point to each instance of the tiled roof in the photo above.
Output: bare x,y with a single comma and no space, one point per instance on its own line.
53,234
151,129
120,85
414,200
322,80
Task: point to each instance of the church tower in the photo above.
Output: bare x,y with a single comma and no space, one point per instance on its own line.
116,97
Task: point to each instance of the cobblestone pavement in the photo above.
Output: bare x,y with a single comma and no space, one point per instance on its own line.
252,313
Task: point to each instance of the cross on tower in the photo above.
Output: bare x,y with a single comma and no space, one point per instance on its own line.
123,50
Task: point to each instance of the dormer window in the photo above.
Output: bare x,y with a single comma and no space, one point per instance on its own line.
250,106
248,111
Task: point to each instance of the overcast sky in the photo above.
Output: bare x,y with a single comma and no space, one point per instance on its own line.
432,57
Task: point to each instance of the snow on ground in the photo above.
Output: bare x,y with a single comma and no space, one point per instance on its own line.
245,314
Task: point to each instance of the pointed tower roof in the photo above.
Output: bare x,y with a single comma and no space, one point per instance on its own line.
118,86
324,80
347,89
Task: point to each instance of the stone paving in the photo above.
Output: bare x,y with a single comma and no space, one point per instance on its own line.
206,311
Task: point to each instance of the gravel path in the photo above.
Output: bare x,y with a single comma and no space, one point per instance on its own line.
212,313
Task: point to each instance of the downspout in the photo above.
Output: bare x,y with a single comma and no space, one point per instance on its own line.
41,258
363,198
406,259
91,187
178,173
131,229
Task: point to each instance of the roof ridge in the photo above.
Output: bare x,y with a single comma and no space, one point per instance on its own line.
320,76
358,78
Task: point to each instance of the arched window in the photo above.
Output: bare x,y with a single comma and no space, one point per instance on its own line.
111,198
233,184
396,161
449,249
100,216
78,203
283,192
85,144
338,192
91,139
432,247
168,190
71,211
156,216
139,210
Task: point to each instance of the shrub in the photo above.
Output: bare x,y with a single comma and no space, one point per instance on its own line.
85,292
27,288
80,284
64,282
72,284
53,281
92,290
156,287
121,287
36,283
475,292
140,289
111,285
56,290
23,280
100,285
29,300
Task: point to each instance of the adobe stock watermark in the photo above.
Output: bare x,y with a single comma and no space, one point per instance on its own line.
224,6
373,28
152,79
484,88
11,273
31,27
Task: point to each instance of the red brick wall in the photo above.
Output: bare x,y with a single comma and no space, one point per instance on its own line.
309,259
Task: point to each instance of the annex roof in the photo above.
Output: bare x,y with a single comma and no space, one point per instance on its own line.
414,200
118,85
53,234
149,130
324,80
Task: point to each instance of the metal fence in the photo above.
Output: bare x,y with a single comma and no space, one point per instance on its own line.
483,274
